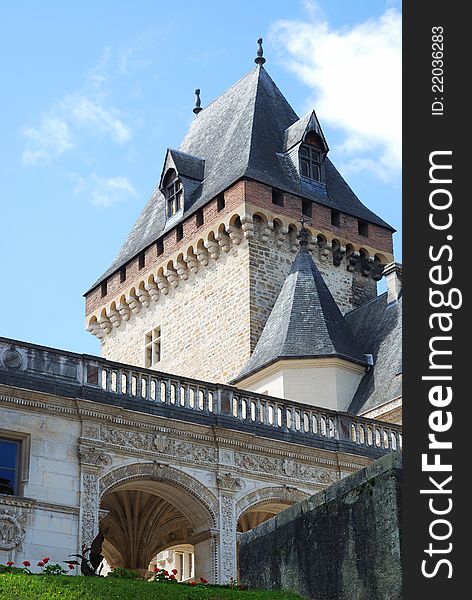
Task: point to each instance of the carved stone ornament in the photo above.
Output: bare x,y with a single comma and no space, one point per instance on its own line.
93,456
12,532
160,443
228,481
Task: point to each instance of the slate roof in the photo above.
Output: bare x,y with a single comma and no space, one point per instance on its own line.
304,323
378,327
240,134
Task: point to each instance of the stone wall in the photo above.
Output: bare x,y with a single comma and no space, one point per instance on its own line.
204,323
344,543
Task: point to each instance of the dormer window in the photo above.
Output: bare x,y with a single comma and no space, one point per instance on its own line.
173,193
311,156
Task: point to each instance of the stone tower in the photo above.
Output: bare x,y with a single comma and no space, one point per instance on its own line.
193,285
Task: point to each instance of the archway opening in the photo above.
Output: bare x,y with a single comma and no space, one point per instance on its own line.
146,522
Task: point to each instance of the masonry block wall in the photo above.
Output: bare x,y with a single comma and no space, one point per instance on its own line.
342,544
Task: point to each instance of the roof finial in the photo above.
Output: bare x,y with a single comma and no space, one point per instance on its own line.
303,237
260,60
198,102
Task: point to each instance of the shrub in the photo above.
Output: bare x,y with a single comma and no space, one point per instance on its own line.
122,573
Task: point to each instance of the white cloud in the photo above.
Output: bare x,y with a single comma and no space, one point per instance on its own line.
355,75
49,140
85,112
104,192
74,116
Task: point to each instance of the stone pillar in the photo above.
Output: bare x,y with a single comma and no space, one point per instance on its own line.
92,461
227,563
205,546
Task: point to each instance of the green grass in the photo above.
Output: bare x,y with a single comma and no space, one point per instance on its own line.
31,587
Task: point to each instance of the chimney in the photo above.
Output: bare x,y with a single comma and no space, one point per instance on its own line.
393,276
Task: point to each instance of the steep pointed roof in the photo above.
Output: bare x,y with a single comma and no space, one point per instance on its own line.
304,323
240,134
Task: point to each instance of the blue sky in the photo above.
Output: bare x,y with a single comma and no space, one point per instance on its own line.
94,92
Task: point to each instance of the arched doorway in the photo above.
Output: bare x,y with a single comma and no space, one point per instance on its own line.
148,508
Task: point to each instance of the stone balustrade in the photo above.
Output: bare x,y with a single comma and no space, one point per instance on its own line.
93,378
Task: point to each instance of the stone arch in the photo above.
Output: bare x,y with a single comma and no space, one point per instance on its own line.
282,494
160,473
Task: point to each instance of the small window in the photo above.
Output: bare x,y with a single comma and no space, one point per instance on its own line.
199,218
307,208
363,228
141,260
310,162
277,197
9,466
335,218
160,247
179,232
174,198
123,274
220,202
103,288
152,347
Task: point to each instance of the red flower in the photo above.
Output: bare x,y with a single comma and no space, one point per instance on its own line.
45,560
193,583
40,564
174,571
172,577
10,563
26,563
71,566
166,572
156,570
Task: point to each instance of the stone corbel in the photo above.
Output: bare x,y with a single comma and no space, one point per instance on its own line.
338,255
247,226
235,234
162,284
172,277
280,236
202,256
213,248
104,323
266,232
181,268
352,261
152,290
114,317
192,261
95,329
223,240
124,310
325,250
143,296
133,303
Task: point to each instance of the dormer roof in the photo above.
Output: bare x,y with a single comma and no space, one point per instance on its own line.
296,133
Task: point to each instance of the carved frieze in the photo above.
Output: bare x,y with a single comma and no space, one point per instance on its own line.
228,481
156,442
285,468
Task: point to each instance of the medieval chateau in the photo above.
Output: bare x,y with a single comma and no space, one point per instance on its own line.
247,360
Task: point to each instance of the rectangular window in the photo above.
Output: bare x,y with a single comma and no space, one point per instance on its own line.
277,197
152,347
199,217
307,208
160,247
335,218
9,466
220,202
179,232
363,228
103,288
141,260
122,274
